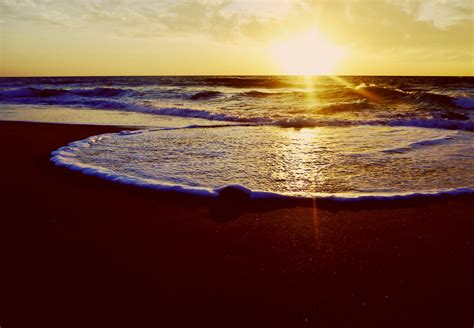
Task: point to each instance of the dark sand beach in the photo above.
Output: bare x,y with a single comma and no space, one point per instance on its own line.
77,251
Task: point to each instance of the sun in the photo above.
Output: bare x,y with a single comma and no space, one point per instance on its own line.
309,53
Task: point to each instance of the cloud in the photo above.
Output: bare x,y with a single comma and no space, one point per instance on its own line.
443,14
354,21
219,19
36,12
190,17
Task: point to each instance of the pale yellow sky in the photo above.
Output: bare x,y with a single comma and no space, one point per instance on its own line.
349,37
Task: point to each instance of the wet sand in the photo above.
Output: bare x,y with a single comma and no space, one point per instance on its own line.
77,251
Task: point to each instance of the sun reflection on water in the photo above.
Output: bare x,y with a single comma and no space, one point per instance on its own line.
304,143
298,156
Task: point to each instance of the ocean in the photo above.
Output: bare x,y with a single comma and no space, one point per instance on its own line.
344,138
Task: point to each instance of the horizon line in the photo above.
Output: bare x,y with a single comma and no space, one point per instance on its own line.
230,75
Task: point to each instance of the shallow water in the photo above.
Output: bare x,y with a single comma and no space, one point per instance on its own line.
338,161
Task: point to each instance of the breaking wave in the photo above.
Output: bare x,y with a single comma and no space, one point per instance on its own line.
417,98
464,102
421,144
368,93
304,121
203,95
344,107
247,82
30,92
442,103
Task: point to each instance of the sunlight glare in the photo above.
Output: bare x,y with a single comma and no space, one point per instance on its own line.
309,53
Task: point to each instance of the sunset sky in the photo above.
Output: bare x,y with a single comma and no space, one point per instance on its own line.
144,37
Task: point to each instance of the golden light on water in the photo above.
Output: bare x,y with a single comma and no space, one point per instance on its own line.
308,53
303,140
300,163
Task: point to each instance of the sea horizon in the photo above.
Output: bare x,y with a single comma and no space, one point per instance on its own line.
235,75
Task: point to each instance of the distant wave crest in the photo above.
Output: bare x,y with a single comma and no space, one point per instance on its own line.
50,92
417,98
344,107
246,82
204,95
464,102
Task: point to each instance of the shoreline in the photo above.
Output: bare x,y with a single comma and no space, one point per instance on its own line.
267,199
81,251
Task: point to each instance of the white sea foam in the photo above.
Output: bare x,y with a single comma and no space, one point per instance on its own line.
301,122
338,164
433,123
